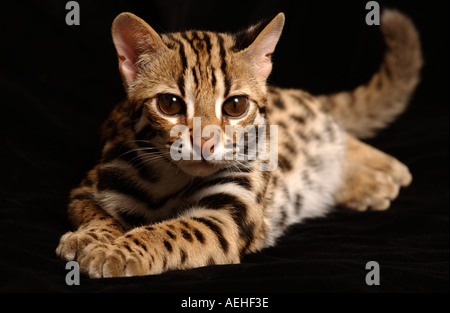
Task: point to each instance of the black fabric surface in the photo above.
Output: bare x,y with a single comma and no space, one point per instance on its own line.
58,82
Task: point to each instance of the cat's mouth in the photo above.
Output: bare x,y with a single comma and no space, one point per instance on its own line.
200,158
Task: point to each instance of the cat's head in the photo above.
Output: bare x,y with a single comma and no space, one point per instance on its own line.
193,87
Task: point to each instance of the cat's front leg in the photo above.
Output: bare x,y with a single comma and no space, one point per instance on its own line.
204,238
72,244
93,225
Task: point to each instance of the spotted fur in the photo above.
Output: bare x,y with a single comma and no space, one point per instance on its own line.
140,212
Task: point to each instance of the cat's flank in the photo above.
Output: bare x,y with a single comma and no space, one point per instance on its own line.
141,211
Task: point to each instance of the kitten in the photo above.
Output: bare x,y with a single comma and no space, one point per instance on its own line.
142,210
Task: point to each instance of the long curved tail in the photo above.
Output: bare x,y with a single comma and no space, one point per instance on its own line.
373,106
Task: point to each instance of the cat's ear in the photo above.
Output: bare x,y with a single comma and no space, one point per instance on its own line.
132,36
260,50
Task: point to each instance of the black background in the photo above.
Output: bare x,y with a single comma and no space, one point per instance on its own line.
58,82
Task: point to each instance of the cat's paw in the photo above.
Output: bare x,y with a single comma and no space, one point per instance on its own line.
399,172
112,260
365,188
72,244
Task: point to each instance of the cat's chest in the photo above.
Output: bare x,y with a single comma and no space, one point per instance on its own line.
135,200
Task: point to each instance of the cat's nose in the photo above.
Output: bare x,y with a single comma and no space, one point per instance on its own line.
204,147
198,143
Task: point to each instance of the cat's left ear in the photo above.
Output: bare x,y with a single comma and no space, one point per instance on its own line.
132,37
259,52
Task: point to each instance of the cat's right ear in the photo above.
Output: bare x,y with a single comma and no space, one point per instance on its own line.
263,45
132,37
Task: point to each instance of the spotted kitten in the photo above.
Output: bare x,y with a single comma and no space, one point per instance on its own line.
139,211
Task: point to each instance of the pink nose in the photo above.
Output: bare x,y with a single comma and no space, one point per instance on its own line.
204,147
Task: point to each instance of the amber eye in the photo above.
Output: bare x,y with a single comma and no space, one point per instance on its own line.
235,106
170,104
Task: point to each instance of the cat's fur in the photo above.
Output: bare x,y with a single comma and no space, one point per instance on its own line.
140,212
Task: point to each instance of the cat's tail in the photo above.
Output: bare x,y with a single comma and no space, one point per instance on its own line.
373,106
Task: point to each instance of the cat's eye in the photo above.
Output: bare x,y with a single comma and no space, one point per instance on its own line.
235,106
171,104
